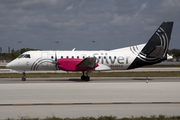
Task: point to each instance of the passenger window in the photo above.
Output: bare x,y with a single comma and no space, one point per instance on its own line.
52,57
109,57
83,57
61,56
67,57
72,56
77,57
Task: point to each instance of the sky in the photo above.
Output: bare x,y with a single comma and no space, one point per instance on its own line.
68,24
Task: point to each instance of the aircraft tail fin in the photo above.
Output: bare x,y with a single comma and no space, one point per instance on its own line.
156,49
158,44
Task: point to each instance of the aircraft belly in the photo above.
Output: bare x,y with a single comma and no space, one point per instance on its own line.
102,67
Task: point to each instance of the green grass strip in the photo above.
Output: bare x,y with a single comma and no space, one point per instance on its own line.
153,117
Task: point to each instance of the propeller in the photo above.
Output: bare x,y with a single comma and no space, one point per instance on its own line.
55,61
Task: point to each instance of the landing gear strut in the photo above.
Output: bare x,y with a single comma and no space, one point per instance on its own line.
23,76
86,78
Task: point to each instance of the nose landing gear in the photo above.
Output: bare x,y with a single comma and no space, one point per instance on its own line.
23,76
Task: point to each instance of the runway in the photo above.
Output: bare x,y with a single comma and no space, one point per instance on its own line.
71,97
133,70
93,80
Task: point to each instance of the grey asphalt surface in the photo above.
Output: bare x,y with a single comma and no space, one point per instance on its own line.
93,80
36,96
133,70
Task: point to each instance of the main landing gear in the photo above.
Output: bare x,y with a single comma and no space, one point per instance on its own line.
86,78
23,76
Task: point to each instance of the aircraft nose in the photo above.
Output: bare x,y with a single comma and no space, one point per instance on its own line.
8,66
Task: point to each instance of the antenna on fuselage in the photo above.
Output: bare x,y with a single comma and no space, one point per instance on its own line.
74,49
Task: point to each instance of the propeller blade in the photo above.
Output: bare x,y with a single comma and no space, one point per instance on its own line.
56,64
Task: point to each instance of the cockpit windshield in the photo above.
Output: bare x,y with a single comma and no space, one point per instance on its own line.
25,56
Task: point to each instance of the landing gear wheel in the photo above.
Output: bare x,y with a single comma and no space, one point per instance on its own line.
83,77
23,79
87,78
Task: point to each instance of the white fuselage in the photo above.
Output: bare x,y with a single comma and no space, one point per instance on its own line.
118,59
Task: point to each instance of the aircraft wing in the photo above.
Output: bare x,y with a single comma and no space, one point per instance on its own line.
87,62
72,64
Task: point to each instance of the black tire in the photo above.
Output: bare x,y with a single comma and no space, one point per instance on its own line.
23,79
83,77
87,78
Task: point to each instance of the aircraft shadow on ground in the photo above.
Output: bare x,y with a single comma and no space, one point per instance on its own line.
76,80
142,79
65,80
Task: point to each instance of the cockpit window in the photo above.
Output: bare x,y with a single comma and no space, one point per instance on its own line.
25,56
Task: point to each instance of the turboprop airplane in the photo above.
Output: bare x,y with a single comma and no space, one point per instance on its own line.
153,52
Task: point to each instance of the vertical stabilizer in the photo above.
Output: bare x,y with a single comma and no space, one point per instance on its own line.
156,49
159,42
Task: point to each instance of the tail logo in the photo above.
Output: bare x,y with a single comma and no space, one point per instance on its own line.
162,39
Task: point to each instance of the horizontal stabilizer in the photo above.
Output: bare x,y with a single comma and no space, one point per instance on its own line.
157,52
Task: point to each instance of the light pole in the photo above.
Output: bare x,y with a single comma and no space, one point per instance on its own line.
56,44
19,47
93,44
